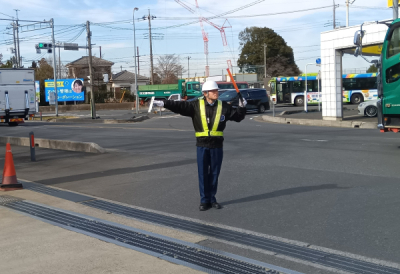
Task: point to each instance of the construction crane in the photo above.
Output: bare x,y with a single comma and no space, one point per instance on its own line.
221,29
205,35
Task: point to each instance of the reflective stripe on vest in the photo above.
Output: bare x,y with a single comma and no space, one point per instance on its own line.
203,117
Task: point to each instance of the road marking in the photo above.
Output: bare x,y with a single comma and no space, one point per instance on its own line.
166,117
309,140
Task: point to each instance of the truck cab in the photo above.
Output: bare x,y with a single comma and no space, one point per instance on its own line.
193,89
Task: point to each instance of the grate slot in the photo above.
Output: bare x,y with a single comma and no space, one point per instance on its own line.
165,220
203,258
294,251
291,250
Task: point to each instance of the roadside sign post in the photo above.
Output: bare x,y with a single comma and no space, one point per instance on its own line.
271,100
318,61
319,91
306,90
32,146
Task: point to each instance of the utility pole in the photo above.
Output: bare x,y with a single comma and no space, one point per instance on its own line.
59,62
395,9
334,15
18,54
188,67
134,50
53,41
15,46
89,34
347,11
138,67
151,50
100,51
265,61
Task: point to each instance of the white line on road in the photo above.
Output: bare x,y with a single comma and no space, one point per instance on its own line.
309,140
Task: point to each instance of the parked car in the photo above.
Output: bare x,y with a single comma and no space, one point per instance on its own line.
368,108
257,99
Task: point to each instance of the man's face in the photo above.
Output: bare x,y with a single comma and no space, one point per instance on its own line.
212,95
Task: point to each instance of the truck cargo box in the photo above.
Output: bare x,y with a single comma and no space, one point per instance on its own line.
17,77
19,99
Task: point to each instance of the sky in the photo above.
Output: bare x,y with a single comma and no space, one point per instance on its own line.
175,30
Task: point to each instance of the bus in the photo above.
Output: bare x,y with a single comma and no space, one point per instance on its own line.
356,88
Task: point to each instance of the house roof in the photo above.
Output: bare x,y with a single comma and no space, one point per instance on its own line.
84,61
127,76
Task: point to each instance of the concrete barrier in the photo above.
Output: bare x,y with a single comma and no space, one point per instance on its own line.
320,123
54,144
99,121
99,106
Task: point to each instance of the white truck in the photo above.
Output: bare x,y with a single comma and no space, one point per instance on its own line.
17,95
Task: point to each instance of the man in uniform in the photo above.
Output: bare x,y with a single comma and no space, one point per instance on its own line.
209,116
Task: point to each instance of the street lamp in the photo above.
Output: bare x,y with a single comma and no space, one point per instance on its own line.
306,89
134,50
188,67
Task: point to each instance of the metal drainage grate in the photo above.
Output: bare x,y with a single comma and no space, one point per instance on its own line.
5,199
67,195
294,251
190,254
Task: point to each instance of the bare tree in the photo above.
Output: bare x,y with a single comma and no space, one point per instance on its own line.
169,68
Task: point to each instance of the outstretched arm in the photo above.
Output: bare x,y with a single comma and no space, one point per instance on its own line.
181,107
236,114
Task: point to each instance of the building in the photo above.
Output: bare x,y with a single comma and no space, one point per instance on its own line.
80,69
124,81
334,44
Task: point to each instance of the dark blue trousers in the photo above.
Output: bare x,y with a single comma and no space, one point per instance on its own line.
209,162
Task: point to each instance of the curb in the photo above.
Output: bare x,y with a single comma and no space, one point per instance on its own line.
320,123
54,144
286,112
98,121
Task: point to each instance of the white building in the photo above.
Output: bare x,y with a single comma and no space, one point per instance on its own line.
334,44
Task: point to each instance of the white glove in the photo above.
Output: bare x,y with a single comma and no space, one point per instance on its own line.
242,104
157,103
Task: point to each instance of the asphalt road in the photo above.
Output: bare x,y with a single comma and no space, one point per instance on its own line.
332,187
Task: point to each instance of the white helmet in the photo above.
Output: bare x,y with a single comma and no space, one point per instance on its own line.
209,85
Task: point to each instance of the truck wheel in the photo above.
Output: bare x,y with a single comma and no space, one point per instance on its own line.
299,101
356,99
13,124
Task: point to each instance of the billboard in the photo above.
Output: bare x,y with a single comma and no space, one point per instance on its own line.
68,89
390,3
37,88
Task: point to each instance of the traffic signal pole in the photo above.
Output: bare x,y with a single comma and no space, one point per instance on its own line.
54,65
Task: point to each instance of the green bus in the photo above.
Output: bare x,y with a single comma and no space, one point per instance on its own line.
388,77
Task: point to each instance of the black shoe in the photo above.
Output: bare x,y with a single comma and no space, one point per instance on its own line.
216,205
204,207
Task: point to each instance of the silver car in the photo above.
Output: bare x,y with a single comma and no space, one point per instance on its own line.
368,108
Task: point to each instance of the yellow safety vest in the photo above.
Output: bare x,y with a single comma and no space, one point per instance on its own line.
214,131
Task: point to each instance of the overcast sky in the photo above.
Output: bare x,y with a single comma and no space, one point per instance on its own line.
298,22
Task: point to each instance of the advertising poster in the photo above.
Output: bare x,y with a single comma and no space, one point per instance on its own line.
37,88
68,90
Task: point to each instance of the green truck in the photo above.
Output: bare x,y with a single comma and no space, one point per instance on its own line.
388,77
186,90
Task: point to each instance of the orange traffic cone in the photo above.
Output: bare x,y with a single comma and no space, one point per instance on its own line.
9,181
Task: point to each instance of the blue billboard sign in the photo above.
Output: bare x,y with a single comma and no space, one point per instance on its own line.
68,89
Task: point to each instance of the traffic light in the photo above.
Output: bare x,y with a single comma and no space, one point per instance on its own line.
47,46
